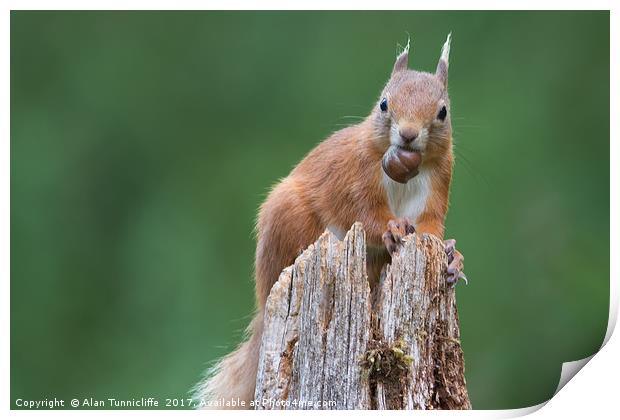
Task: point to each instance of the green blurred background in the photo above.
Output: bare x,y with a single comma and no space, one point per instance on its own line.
142,144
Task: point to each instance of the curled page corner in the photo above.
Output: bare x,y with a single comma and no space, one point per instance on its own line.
569,370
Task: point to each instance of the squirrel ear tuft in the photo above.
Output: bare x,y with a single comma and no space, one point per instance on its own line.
442,66
403,59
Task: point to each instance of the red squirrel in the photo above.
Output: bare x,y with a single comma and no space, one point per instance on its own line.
391,172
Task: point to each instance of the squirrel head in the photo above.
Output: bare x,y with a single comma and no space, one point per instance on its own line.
413,111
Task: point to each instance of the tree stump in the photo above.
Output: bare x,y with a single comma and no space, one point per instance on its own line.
330,342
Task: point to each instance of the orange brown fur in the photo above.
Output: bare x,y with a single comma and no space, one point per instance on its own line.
339,183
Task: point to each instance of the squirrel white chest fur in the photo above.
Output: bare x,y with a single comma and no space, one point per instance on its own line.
408,200
405,200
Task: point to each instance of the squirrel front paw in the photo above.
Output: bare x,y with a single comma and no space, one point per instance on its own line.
455,263
396,231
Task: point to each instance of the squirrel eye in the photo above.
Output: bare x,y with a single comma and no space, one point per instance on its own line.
383,104
442,113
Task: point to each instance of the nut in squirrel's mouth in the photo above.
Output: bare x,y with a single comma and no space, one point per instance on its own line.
401,164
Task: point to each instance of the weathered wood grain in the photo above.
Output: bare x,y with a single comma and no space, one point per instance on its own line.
325,346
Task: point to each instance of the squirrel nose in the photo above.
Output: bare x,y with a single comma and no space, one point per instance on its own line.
408,134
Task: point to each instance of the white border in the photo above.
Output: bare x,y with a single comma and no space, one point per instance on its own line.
592,394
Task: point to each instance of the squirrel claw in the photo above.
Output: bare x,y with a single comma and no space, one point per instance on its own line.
396,231
455,263
462,276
